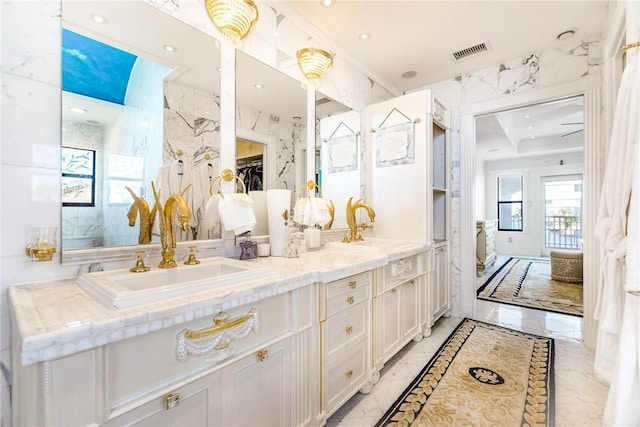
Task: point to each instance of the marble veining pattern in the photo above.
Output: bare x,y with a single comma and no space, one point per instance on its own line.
56,319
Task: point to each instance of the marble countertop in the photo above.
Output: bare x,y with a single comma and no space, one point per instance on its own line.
57,319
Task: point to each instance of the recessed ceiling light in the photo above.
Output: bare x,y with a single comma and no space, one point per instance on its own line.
170,48
566,35
530,127
365,36
78,110
258,85
526,116
99,18
408,74
532,137
328,3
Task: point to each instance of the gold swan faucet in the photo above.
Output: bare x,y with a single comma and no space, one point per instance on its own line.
175,205
140,207
351,219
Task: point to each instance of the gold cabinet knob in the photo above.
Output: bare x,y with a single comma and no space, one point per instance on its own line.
349,373
171,400
349,300
348,330
262,355
353,284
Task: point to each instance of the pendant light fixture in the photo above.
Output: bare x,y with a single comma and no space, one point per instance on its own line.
234,18
314,62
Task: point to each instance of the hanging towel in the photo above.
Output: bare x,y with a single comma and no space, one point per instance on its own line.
311,211
236,213
302,211
209,226
319,212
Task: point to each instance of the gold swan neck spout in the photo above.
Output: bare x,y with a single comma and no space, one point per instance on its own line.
140,208
175,206
351,219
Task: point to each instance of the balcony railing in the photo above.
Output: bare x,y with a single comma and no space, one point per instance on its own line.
563,231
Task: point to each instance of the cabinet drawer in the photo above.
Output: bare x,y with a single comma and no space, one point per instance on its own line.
348,284
347,299
132,378
344,329
400,270
345,376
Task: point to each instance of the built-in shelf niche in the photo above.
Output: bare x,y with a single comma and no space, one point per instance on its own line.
439,182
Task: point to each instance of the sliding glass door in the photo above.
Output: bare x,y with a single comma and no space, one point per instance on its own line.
562,212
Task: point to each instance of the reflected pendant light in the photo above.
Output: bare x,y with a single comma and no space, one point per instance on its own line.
314,62
234,18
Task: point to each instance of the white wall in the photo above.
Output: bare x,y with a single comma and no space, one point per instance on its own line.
480,189
528,242
31,128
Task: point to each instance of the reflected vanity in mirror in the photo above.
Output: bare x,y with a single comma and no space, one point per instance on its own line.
338,148
145,105
271,110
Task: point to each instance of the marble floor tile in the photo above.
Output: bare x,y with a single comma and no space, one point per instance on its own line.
579,396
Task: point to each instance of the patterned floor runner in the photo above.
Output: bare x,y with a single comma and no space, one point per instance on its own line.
527,282
483,375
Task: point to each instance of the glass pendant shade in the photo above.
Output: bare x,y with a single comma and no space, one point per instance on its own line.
234,18
314,62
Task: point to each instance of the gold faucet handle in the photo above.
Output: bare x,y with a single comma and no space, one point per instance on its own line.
365,226
192,257
139,267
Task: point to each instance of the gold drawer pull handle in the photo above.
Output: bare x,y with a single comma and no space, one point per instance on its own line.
349,373
171,400
262,355
348,330
353,284
222,323
349,300
394,290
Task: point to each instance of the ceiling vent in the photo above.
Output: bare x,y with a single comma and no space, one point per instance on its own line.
471,51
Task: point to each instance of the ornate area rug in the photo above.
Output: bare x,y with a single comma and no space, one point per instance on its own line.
483,375
527,282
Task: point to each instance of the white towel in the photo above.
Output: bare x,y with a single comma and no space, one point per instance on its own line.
301,211
209,226
311,211
319,212
236,213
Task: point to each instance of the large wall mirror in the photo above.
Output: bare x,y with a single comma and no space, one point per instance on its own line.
140,102
271,123
338,154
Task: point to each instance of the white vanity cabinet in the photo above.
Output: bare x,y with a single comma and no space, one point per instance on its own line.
397,306
141,381
439,296
344,341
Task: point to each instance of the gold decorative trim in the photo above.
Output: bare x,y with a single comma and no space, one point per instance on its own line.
220,326
631,45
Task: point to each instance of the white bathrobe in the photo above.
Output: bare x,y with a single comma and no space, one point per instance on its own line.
618,228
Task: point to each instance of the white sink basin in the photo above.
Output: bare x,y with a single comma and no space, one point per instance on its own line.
118,289
371,245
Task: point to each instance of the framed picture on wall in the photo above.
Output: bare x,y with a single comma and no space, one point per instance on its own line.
78,176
